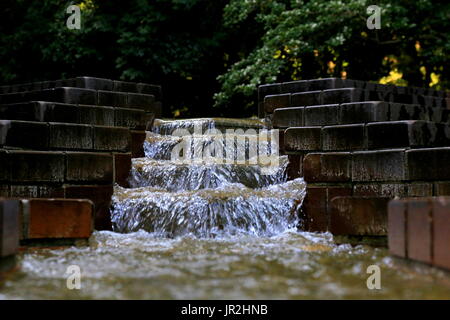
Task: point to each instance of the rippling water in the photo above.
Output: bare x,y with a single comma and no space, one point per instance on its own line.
292,265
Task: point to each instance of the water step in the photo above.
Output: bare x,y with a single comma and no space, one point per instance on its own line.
88,83
200,126
419,229
346,95
370,136
72,113
231,210
72,95
356,112
177,176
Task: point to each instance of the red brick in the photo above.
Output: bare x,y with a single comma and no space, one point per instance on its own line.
359,216
419,230
57,219
315,209
100,196
441,232
397,228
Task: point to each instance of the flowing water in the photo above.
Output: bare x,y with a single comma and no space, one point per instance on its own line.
206,218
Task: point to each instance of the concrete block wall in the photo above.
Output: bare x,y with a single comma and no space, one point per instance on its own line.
68,139
358,145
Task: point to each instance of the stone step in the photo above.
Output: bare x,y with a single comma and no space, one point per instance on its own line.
63,136
356,112
346,95
369,136
52,220
336,83
72,95
72,113
88,83
394,165
419,229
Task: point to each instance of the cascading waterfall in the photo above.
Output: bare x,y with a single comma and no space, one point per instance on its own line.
214,186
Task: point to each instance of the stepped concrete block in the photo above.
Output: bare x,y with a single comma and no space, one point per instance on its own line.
122,168
380,190
5,191
37,191
70,136
56,219
344,137
441,232
24,134
311,98
316,205
363,112
100,195
295,86
303,139
428,164
324,115
72,82
288,117
111,139
359,216
94,83
102,116
5,166
124,86
268,89
408,112
152,89
386,165
383,135
272,102
137,143
40,111
343,95
36,166
9,227
441,188
439,115
89,167
112,99
326,83
419,230
327,167
141,101
420,190
130,118
69,95
397,228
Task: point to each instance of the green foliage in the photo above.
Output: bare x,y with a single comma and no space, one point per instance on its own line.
319,38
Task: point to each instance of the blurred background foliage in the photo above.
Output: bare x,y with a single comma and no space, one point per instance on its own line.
210,56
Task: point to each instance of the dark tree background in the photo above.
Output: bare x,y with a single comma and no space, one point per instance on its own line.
210,56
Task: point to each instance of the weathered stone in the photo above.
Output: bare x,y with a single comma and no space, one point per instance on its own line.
70,136
112,139
150,89
295,86
36,166
428,164
386,165
343,137
327,167
288,117
380,190
420,190
324,115
343,96
94,83
302,139
268,89
359,216
24,134
122,168
272,102
112,99
137,143
363,112
130,118
141,101
9,227
102,116
124,86
400,112
89,167
310,98
441,232
36,191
